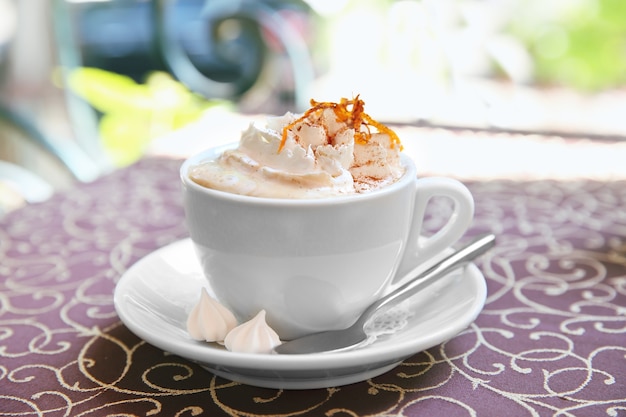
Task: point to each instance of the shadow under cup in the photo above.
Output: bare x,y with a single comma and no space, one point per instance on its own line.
312,264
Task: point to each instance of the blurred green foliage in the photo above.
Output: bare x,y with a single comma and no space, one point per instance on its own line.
575,43
132,114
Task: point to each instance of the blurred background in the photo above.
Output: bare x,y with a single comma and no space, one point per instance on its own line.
89,86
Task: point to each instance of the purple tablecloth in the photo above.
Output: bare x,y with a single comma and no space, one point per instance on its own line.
551,340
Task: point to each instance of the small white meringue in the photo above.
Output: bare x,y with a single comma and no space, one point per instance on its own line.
253,336
209,320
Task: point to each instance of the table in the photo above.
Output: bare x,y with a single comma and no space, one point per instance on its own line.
551,340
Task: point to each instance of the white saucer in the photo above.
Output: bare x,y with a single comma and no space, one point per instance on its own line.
154,297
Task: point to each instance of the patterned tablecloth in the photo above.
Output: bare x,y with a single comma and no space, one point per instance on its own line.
551,340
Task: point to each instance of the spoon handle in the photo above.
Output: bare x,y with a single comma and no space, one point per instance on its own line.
472,250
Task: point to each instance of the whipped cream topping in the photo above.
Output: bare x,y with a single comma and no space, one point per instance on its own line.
209,320
253,336
314,155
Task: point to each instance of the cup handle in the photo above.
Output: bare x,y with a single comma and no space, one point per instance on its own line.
420,249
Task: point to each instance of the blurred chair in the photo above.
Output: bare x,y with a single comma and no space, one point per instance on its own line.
31,163
230,60
217,48
66,153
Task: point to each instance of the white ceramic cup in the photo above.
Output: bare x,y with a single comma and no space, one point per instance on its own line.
315,264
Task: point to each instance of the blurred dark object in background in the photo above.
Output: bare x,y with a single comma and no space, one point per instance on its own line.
8,24
218,48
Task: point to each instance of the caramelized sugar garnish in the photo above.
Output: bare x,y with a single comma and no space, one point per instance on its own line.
350,112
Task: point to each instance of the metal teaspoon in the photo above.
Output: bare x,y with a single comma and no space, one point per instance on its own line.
334,340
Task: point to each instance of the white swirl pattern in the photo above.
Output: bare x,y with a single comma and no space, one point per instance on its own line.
551,340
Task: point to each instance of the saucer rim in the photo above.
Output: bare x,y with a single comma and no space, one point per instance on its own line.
205,353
